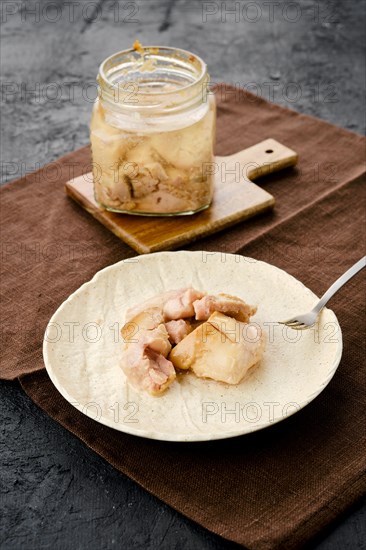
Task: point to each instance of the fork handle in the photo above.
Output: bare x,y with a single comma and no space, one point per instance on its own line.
339,283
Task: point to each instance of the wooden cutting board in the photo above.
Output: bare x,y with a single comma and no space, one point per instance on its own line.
236,198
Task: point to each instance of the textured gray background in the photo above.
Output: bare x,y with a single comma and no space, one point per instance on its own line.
308,55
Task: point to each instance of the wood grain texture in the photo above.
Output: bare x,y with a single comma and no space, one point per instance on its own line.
236,198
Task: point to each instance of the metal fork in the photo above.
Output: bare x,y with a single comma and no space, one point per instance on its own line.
307,320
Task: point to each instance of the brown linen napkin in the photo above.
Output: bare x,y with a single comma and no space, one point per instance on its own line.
272,489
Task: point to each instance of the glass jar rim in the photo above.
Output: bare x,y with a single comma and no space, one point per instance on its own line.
104,79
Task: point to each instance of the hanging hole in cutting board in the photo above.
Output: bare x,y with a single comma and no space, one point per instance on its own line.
269,151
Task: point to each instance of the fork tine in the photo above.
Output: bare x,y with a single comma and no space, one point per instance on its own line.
295,324
303,327
290,322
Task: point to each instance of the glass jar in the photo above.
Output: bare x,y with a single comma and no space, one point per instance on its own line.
153,133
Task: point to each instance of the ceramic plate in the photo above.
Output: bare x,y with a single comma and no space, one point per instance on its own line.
82,349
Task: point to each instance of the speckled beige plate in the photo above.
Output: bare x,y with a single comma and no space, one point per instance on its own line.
82,347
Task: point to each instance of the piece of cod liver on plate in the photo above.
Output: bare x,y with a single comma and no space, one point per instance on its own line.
222,348
146,346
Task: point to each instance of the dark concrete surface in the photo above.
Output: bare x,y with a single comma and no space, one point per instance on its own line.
308,55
